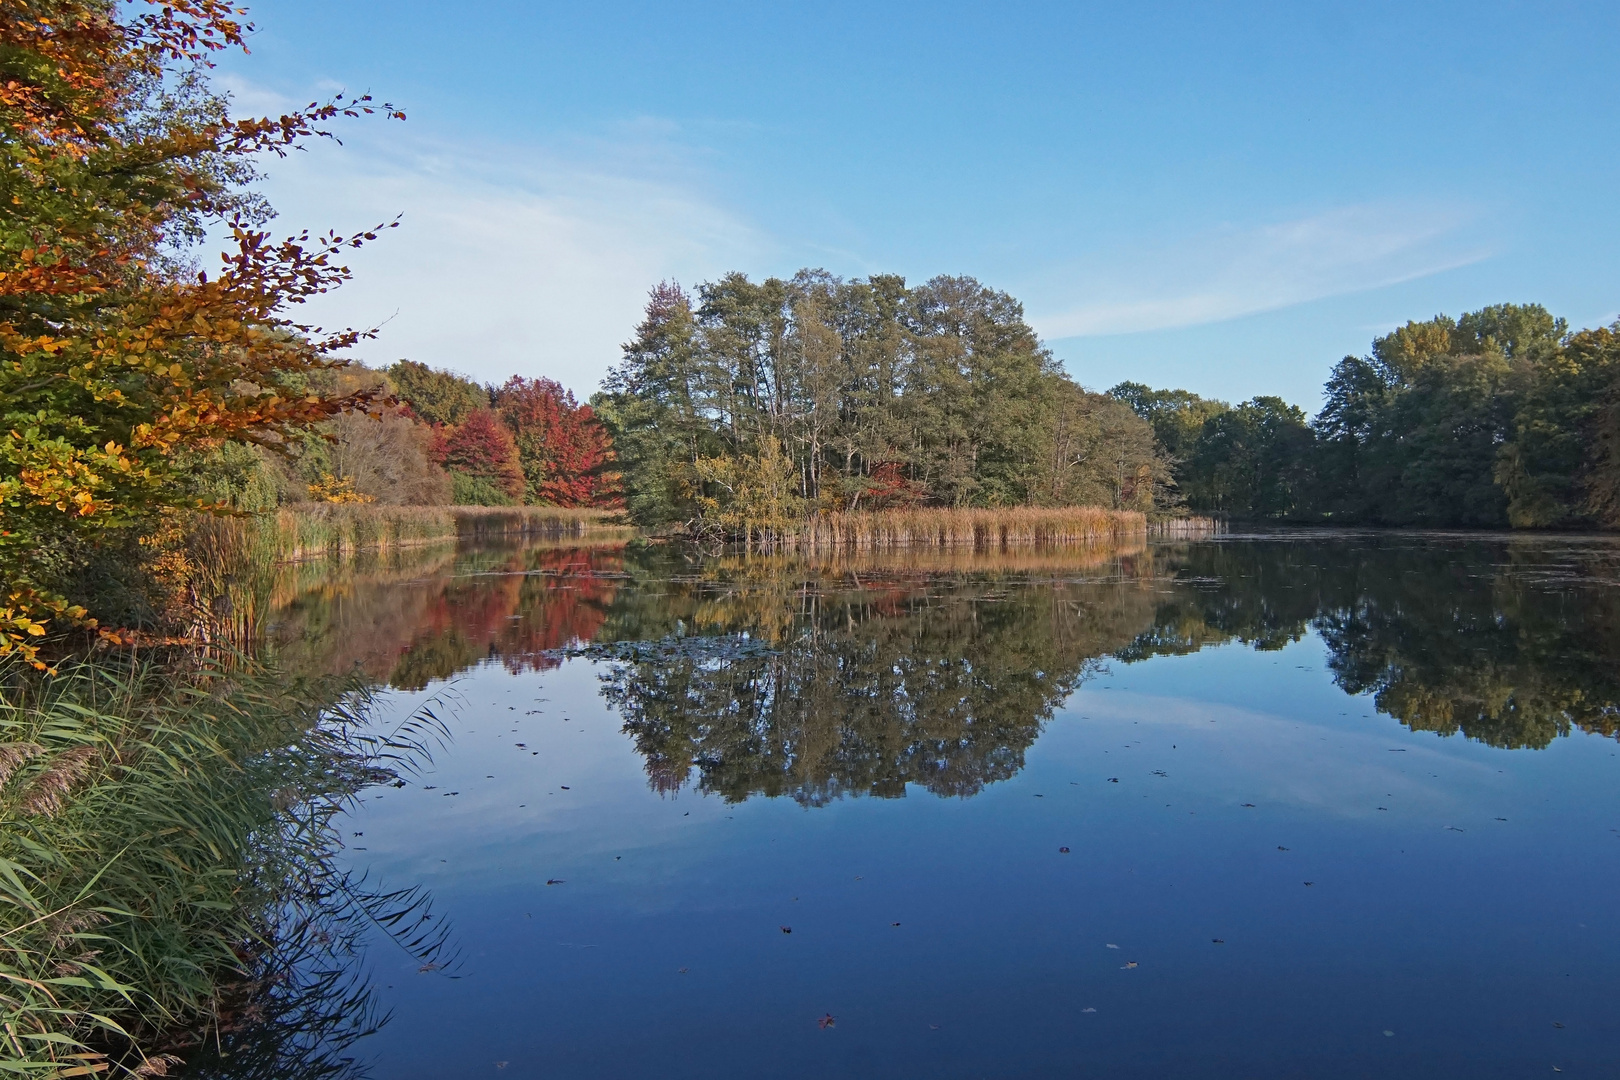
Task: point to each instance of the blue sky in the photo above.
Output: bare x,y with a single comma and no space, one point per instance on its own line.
1223,197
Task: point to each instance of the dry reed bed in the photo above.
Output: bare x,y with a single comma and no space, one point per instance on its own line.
312,529
980,528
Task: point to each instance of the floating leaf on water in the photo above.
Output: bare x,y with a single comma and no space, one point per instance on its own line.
1218,941
1556,1024
555,881
1129,964
1250,805
827,1021
1063,851
1391,1034
1111,945
787,929
1088,1009
1281,848
1113,779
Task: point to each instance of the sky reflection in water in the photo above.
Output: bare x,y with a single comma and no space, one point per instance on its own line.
1316,789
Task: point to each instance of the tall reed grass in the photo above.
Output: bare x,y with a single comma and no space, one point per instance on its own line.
979,529
314,529
162,830
224,570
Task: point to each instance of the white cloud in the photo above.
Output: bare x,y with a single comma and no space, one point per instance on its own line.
1231,272
507,260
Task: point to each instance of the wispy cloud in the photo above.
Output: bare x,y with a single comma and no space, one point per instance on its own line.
1230,272
522,260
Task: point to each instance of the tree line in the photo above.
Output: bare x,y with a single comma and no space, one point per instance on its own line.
1501,417
139,385
435,438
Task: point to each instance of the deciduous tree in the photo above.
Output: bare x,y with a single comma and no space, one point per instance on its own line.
482,449
563,448
115,357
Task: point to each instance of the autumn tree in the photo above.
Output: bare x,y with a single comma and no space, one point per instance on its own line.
564,450
482,458
116,356
435,396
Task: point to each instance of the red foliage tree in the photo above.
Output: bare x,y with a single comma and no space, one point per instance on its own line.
563,447
482,447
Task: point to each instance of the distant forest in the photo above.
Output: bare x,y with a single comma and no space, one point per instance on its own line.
816,393
1502,417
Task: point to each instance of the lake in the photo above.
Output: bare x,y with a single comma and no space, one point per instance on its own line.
1301,804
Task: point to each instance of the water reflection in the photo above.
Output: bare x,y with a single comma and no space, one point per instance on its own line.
1512,643
420,616
939,669
875,679
1261,853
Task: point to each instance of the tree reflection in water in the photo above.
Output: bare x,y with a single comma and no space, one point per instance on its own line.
1511,642
940,676
879,676
939,669
419,617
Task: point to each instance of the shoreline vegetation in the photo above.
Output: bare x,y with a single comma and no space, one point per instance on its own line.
977,529
314,530
167,864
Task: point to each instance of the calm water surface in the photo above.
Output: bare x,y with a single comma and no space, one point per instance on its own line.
1298,805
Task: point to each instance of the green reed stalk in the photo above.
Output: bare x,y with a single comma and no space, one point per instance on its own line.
159,830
